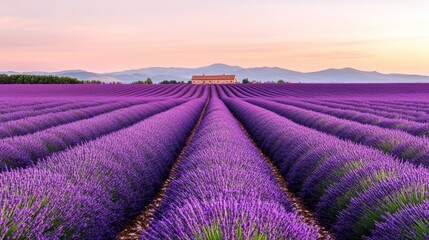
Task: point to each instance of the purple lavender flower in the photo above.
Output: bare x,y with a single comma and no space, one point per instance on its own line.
409,223
88,192
223,189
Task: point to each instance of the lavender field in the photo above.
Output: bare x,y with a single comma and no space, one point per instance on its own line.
213,162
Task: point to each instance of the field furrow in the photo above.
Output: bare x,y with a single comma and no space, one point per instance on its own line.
223,188
367,108
25,105
23,151
414,128
397,143
90,191
30,125
49,109
350,187
214,162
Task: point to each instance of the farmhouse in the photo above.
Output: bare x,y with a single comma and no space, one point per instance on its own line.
214,79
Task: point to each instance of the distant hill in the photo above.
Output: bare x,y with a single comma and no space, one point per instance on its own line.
263,74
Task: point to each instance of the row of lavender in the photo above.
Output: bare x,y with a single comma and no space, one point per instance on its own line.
404,105
400,144
394,111
354,190
417,112
29,104
23,151
37,93
88,192
24,118
359,97
363,116
46,125
31,124
27,122
402,92
47,107
417,107
9,93
223,189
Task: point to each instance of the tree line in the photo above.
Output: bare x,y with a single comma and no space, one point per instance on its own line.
36,79
50,79
149,81
246,81
44,79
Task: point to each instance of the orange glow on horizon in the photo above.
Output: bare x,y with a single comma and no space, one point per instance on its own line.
106,36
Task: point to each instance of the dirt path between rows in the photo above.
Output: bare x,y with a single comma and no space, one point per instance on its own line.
295,200
308,216
135,228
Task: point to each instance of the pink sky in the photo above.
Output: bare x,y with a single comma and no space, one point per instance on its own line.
105,36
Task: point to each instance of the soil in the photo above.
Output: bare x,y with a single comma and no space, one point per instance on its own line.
307,215
135,228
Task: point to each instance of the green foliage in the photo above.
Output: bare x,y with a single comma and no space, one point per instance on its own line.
139,82
37,79
391,204
52,147
387,145
421,228
92,82
245,81
8,213
255,235
147,81
214,232
281,81
172,82
210,233
409,153
344,200
45,79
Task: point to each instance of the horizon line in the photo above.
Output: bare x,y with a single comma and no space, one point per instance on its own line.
229,65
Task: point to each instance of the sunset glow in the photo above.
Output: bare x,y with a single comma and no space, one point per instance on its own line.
105,36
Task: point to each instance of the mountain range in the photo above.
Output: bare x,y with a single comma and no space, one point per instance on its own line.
260,74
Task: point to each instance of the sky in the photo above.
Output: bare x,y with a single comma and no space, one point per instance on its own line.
390,36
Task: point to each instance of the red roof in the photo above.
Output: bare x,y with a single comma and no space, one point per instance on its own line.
213,77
